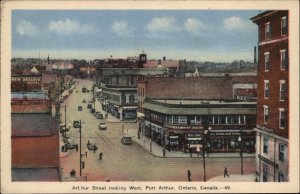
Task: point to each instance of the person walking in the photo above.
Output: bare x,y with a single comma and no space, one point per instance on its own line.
100,156
189,175
226,172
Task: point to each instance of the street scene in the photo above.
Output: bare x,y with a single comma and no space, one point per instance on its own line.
103,97
134,162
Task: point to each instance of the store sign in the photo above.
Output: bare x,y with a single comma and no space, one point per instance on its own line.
224,133
184,127
265,129
267,161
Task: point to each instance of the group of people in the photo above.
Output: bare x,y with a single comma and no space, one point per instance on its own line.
189,174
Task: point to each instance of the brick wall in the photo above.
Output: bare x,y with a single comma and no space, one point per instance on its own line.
35,151
28,107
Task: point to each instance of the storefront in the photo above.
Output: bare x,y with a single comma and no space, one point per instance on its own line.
129,113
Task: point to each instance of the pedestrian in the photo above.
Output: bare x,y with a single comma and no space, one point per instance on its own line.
76,148
189,175
226,172
100,156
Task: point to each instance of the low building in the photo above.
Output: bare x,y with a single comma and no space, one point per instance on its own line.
35,147
26,81
181,124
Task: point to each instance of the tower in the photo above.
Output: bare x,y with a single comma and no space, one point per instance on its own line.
142,59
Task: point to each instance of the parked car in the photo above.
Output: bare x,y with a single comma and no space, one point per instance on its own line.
102,126
76,124
76,91
71,144
98,115
126,139
83,101
92,110
79,108
89,106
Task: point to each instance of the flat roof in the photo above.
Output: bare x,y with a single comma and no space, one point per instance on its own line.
200,102
29,95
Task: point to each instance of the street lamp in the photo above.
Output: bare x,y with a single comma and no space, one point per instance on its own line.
164,143
208,136
80,155
241,151
150,138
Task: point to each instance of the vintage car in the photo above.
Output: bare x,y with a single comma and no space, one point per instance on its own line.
79,108
70,144
92,110
83,101
102,126
76,124
98,115
126,139
89,106
92,146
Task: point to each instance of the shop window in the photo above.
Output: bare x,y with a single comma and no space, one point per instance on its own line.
229,119
266,145
242,119
281,152
198,119
217,143
192,119
232,143
169,119
267,61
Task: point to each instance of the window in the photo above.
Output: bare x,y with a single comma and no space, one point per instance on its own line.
283,60
280,177
267,31
266,88
284,26
183,119
281,152
267,61
222,119
131,99
281,118
216,119
266,145
235,119
265,172
175,119
266,114
282,89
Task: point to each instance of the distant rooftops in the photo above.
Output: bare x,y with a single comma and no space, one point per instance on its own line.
159,63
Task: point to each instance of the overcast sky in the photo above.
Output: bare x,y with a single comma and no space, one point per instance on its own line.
202,35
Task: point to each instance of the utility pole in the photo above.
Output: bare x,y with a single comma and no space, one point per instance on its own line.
65,120
80,146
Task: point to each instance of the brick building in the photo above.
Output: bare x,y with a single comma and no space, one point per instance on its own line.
27,81
272,161
177,110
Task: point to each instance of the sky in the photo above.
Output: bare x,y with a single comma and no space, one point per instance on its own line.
201,35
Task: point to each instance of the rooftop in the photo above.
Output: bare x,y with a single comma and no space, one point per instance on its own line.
35,174
31,124
201,102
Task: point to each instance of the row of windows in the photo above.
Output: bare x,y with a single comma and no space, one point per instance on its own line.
282,116
197,119
282,89
266,172
29,102
283,28
281,149
283,60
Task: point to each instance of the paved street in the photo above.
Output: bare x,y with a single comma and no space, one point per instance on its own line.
131,162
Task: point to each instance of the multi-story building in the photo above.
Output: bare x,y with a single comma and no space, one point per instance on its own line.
180,109
272,158
26,81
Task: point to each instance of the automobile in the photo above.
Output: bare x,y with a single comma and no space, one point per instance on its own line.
83,101
87,91
92,110
89,106
71,144
102,126
76,124
92,146
76,91
90,101
126,140
79,108
98,115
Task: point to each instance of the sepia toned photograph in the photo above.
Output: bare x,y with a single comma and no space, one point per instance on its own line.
149,97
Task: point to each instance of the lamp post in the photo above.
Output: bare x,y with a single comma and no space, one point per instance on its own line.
241,151
203,154
80,147
150,138
208,136
164,143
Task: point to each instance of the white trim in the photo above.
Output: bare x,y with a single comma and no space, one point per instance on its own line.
273,40
266,82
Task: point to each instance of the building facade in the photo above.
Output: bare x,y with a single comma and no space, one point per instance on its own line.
272,161
26,82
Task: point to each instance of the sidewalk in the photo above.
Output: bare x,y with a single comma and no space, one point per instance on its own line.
234,178
157,150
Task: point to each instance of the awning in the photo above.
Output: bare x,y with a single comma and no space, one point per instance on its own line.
140,115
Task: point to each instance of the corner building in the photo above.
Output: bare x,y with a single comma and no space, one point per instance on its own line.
272,126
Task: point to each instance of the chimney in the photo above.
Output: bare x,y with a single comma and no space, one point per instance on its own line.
164,58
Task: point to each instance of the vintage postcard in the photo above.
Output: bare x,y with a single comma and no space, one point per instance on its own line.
149,96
